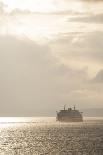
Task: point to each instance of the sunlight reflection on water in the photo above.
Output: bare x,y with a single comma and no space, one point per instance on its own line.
40,136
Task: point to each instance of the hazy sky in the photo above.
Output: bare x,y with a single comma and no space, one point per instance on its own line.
51,54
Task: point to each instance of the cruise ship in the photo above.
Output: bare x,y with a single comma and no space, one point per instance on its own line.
69,115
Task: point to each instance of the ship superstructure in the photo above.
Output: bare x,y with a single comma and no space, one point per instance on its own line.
69,115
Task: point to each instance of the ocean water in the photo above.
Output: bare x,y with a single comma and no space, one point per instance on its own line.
45,136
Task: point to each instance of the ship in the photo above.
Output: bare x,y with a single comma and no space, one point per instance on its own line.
69,115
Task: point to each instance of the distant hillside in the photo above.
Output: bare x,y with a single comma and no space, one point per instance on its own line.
93,112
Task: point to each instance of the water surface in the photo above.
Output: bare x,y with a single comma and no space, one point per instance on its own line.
41,136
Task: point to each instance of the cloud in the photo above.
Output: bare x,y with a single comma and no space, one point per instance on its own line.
84,47
47,25
32,80
2,6
83,50
38,79
90,46
94,0
26,76
33,7
54,7
55,13
99,77
97,19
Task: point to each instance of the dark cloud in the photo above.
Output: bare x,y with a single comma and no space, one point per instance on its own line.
99,77
88,19
92,0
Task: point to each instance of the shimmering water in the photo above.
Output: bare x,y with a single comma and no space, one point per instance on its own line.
45,136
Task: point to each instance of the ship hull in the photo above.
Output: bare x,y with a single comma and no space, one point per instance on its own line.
64,119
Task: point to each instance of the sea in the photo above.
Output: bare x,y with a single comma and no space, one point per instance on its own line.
46,136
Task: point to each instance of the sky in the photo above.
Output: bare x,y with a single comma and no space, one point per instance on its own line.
50,55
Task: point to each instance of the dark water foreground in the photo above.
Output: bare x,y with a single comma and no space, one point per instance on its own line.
47,137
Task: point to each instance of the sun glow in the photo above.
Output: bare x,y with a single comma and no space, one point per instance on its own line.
36,27
43,19
31,5
44,6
